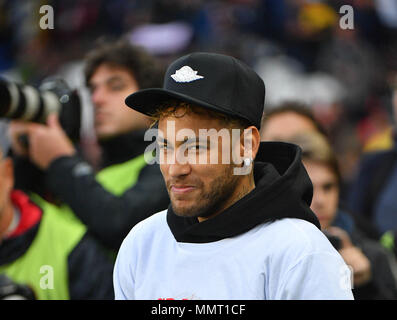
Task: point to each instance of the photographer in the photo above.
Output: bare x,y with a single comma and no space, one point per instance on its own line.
126,190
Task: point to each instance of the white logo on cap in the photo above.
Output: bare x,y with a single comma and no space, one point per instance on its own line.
185,74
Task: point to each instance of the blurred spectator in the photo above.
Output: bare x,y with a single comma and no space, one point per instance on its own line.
43,249
373,267
287,119
163,39
291,118
373,193
126,190
355,64
286,80
375,130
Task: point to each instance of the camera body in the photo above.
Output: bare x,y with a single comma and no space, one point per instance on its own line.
25,102
10,290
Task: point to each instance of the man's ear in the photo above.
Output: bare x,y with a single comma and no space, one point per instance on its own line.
249,142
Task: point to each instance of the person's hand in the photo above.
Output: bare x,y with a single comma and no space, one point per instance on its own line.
341,234
46,142
353,257
360,264
17,128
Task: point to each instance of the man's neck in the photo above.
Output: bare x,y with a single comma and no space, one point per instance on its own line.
245,189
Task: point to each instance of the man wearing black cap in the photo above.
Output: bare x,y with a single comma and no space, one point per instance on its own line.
235,229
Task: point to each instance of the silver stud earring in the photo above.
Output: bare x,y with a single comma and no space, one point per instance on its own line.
247,162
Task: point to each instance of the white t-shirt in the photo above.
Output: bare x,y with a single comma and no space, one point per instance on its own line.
286,259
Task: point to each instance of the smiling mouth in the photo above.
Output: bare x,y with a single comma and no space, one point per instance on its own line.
181,189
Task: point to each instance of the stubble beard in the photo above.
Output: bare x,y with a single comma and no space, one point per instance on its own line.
212,199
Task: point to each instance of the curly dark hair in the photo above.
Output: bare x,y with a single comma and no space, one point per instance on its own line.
172,107
145,69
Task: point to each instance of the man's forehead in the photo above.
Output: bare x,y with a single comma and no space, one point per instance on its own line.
197,127
172,134
198,118
106,72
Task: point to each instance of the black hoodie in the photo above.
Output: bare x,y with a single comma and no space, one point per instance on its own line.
282,190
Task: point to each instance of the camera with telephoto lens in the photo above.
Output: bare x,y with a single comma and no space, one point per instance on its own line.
24,102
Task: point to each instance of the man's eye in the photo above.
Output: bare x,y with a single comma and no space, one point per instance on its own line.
117,87
196,148
328,186
165,148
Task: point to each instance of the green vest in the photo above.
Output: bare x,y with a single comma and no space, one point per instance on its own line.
120,177
44,266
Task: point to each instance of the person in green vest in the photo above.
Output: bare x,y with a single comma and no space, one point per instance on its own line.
125,189
43,250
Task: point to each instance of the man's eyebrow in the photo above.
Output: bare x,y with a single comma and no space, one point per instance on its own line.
109,80
114,78
202,141
186,140
190,140
196,139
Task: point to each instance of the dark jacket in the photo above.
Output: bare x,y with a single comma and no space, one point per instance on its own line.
108,217
374,172
89,268
383,283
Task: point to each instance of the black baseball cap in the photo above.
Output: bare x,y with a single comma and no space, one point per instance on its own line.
209,80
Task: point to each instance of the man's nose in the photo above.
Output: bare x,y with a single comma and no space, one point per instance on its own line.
98,97
318,198
178,169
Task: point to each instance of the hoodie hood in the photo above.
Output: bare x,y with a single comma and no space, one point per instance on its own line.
282,190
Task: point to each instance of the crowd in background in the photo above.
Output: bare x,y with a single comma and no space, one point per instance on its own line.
297,46
347,77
